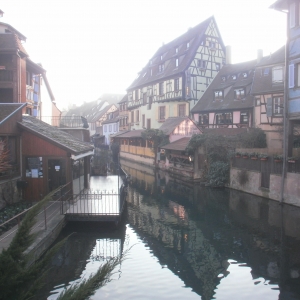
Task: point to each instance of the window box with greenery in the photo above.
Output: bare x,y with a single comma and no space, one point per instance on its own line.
263,156
292,159
238,154
245,154
278,158
254,155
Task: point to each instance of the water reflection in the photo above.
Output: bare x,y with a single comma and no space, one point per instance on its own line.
211,230
216,243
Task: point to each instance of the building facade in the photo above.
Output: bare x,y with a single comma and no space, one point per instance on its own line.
176,77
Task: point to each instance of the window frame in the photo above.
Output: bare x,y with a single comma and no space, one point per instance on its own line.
220,96
181,110
239,94
161,88
161,113
280,80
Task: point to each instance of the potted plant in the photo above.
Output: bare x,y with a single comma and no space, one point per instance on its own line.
278,157
263,156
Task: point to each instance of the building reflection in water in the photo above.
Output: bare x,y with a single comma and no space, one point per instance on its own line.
199,232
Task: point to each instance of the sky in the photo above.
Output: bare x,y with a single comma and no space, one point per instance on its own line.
93,47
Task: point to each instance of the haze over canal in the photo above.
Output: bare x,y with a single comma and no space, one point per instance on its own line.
188,242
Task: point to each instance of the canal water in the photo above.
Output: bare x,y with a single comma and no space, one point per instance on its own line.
186,242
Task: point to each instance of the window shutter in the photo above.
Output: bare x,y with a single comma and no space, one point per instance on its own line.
167,112
292,15
291,76
175,110
157,113
269,107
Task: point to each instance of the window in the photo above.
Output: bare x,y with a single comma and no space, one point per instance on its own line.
150,72
136,95
105,128
187,45
161,57
233,77
218,96
277,75
144,98
297,75
162,113
29,111
132,116
161,68
137,115
115,127
176,50
212,45
244,118
266,71
161,88
224,118
28,78
223,78
143,121
176,84
203,119
176,62
218,66
9,151
278,105
109,128
245,75
239,94
201,64
181,110
169,86
148,123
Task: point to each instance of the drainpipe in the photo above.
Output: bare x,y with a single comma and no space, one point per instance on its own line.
285,114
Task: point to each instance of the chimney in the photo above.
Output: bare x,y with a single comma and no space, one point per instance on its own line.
259,55
228,55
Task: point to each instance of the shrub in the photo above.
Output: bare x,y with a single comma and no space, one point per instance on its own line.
255,138
218,174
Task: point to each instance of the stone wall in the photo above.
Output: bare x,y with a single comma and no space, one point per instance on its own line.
250,182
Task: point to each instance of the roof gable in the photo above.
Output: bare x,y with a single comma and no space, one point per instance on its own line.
166,55
54,135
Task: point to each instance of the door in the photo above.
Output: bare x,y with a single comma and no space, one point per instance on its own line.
56,173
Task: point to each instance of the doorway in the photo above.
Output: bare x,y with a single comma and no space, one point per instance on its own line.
56,173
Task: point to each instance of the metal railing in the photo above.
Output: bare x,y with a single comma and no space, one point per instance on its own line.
95,203
46,214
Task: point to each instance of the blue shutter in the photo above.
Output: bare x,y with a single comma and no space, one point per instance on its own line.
291,76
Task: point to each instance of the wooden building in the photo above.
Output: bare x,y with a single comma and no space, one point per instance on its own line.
51,158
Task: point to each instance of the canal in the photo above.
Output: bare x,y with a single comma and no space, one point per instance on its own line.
186,242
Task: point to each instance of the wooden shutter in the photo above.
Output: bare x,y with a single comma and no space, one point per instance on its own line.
269,107
291,76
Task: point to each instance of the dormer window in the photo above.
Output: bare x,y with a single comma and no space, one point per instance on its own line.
150,72
187,45
239,94
233,77
161,57
223,78
218,66
161,68
176,50
218,95
176,62
245,75
150,62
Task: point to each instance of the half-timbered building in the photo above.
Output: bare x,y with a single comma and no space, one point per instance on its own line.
176,76
268,90
227,102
